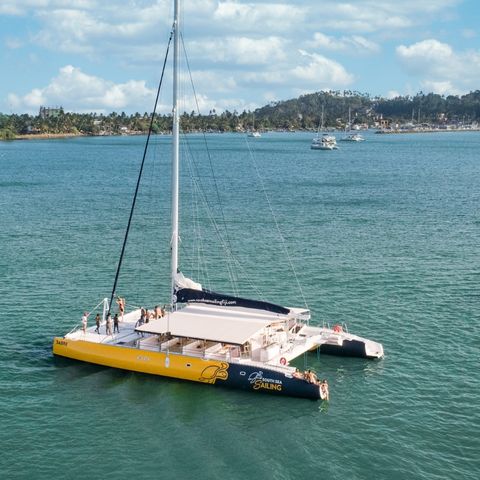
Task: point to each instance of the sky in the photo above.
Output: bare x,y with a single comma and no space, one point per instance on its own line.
103,56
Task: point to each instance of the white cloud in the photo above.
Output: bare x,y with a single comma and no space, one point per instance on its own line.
271,16
428,54
306,72
74,90
364,17
240,50
355,43
22,7
442,88
223,82
322,71
439,67
81,31
392,94
386,16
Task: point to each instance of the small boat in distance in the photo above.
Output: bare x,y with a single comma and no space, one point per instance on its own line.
324,142
352,137
253,133
204,336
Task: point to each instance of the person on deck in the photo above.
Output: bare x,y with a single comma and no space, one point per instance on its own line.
108,325
121,306
310,377
84,322
97,323
115,324
141,320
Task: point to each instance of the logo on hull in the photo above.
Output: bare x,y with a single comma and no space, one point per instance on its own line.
212,373
258,382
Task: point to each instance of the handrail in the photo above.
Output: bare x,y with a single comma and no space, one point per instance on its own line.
77,326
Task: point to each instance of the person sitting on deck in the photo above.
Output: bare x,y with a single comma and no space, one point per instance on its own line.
310,377
297,373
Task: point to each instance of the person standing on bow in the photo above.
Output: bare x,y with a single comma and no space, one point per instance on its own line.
84,322
97,323
108,325
121,306
115,324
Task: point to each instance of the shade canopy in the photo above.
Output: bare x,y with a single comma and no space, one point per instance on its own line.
234,326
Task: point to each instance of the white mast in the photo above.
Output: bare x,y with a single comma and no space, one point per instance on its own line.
175,149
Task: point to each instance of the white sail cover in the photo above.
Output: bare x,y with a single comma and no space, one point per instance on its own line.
181,281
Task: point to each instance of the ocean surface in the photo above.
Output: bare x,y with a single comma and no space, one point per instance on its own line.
382,235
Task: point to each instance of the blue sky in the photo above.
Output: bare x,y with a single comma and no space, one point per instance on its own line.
103,56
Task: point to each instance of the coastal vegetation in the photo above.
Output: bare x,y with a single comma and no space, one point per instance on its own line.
295,114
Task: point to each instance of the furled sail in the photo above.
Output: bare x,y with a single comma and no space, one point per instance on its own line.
194,295
181,281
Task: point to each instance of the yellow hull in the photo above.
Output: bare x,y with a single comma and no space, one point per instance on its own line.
156,363
185,367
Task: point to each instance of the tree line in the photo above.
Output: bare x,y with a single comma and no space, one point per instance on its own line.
304,112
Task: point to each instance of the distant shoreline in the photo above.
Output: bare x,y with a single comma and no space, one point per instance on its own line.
52,136
43,136
426,130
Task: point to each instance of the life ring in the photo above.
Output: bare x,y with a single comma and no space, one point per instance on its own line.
283,361
337,329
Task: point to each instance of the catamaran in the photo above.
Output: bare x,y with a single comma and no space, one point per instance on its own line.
208,337
324,142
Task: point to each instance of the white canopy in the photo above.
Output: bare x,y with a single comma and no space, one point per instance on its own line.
211,323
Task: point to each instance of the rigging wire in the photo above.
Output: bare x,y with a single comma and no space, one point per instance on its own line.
282,239
232,273
226,243
214,223
140,174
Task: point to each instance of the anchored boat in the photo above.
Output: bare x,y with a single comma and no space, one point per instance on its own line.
208,337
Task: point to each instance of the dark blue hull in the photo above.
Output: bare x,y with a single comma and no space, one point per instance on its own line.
264,380
350,348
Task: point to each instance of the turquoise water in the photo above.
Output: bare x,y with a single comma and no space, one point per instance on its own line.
383,235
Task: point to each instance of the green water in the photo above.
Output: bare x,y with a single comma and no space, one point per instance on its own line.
383,235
